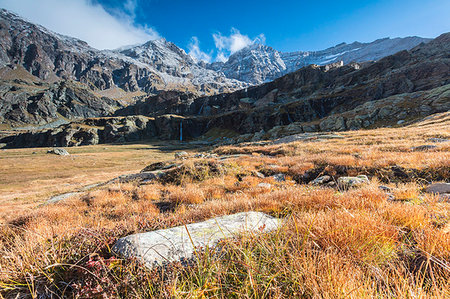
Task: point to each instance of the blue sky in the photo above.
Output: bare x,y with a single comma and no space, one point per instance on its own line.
217,28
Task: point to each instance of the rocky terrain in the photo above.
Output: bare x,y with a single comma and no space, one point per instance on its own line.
35,63
311,215
257,63
33,104
397,89
151,67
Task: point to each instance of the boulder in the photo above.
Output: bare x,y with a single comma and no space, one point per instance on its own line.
425,147
349,181
279,177
180,243
264,185
181,155
58,151
321,180
438,140
438,188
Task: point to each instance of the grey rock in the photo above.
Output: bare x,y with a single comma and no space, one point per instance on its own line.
321,180
181,155
425,147
58,151
438,140
259,175
384,188
279,177
258,63
180,243
264,185
348,182
61,197
438,188
150,67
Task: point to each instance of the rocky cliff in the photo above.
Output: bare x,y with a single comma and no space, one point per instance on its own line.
32,104
397,89
257,64
152,67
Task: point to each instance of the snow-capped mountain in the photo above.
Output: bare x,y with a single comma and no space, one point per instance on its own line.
151,67
160,65
256,64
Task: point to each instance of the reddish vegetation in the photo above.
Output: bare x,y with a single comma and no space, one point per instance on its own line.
360,242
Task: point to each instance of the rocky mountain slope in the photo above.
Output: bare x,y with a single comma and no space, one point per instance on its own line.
27,104
397,89
257,63
152,67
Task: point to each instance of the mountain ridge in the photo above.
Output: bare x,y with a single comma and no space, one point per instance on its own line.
254,59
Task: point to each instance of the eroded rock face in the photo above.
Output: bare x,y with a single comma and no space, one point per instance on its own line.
179,243
409,84
26,104
154,66
259,63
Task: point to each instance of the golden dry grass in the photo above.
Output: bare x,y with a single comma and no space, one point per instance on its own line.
30,176
355,243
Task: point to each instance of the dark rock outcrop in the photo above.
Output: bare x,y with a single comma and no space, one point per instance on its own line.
399,88
26,104
151,67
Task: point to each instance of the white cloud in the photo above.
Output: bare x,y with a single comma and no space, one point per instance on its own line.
227,45
196,53
85,20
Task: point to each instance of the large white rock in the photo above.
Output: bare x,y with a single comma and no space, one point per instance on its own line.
174,244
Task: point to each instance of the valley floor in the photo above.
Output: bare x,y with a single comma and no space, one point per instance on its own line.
384,238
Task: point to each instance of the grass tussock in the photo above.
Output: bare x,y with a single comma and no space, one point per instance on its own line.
363,242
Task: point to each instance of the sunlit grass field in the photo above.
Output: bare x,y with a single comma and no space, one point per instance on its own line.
360,242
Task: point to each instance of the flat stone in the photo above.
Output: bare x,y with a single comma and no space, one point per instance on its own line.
181,155
307,137
384,188
58,151
141,177
264,185
176,244
349,181
279,177
438,140
260,175
321,180
439,188
61,197
425,147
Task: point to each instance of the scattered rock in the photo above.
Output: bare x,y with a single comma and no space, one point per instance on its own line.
58,151
307,137
279,177
438,188
423,148
384,188
391,196
348,181
400,122
259,175
438,140
61,197
264,185
180,243
181,155
321,180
